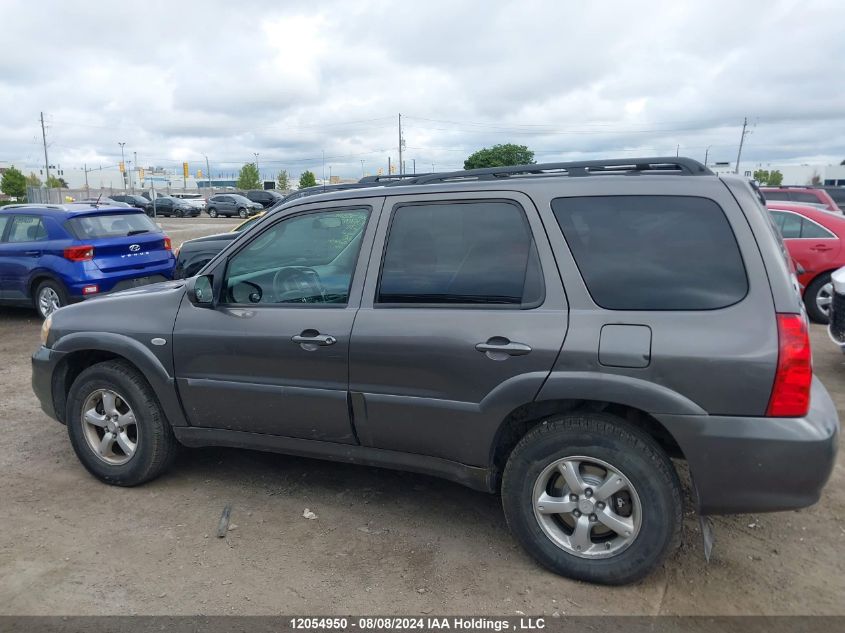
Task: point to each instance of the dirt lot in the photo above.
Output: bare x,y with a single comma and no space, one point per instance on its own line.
383,541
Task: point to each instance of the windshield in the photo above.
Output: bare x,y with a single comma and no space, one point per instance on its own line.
111,225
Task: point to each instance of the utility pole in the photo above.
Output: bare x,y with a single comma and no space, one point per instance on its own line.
401,142
706,155
324,168
123,165
87,192
135,156
678,150
741,141
208,174
258,170
389,168
362,168
415,166
46,161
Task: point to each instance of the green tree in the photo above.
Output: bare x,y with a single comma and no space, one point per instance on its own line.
500,156
13,183
32,180
55,183
248,178
761,176
307,179
283,180
775,178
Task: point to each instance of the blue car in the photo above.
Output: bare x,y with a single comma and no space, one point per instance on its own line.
53,255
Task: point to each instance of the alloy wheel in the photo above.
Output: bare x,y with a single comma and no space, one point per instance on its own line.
824,297
587,507
48,301
110,427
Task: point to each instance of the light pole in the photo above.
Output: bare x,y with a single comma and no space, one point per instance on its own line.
135,154
123,164
362,168
258,170
208,174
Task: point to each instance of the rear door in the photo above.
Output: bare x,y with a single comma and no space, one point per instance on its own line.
462,318
814,247
21,252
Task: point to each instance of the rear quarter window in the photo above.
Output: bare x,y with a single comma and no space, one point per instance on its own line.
653,252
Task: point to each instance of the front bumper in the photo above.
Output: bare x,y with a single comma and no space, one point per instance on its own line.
44,363
749,464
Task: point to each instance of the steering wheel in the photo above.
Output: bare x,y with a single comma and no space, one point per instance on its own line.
298,284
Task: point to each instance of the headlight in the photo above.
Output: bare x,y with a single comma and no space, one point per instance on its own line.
45,330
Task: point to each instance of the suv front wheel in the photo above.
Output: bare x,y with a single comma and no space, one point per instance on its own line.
593,498
242,212
117,427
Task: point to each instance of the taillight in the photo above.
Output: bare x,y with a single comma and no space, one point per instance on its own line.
79,253
167,244
791,391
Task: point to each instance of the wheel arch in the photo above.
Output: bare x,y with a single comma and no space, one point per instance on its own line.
39,276
527,416
86,349
827,271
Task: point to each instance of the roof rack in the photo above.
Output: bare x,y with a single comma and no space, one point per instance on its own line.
658,165
391,177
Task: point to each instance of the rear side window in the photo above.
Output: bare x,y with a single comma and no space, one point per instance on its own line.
27,228
479,252
89,227
653,252
793,226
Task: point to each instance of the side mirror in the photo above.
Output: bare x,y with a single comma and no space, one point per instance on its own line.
201,291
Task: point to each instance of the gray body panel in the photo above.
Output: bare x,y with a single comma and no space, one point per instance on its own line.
405,387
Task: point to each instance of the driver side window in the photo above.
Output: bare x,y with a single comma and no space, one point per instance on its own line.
308,258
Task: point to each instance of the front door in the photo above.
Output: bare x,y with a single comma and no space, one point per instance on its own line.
462,318
21,251
271,356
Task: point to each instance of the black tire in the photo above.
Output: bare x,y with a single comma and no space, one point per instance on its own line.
156,444
243,213
811,296
627,449
180,213
212,212
59,291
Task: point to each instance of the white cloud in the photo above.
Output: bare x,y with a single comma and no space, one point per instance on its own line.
294,80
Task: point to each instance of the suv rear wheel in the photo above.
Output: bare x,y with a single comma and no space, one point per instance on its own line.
212,212
116,425
592,498
49,296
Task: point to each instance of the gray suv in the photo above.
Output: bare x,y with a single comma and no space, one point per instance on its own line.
554,333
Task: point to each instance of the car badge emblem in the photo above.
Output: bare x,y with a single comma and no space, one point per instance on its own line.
135,247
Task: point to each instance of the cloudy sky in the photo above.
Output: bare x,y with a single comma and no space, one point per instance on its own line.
293,81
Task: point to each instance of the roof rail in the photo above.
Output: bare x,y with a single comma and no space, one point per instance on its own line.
391,177
660,165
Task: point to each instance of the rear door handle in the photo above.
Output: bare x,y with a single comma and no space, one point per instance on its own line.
32,253
821,247
498,347
312,341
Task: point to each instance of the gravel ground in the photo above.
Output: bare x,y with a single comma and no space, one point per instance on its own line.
382,541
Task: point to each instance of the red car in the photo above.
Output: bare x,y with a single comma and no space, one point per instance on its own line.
800,195
814,239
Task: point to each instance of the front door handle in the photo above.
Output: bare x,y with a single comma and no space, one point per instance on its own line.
32,253
499,348
821,248
312,339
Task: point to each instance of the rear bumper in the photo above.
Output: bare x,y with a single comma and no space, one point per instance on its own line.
120,280
745,464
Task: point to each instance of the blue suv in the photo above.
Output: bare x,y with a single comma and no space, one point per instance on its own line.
53,255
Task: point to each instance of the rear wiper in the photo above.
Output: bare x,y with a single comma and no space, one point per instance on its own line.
137,232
